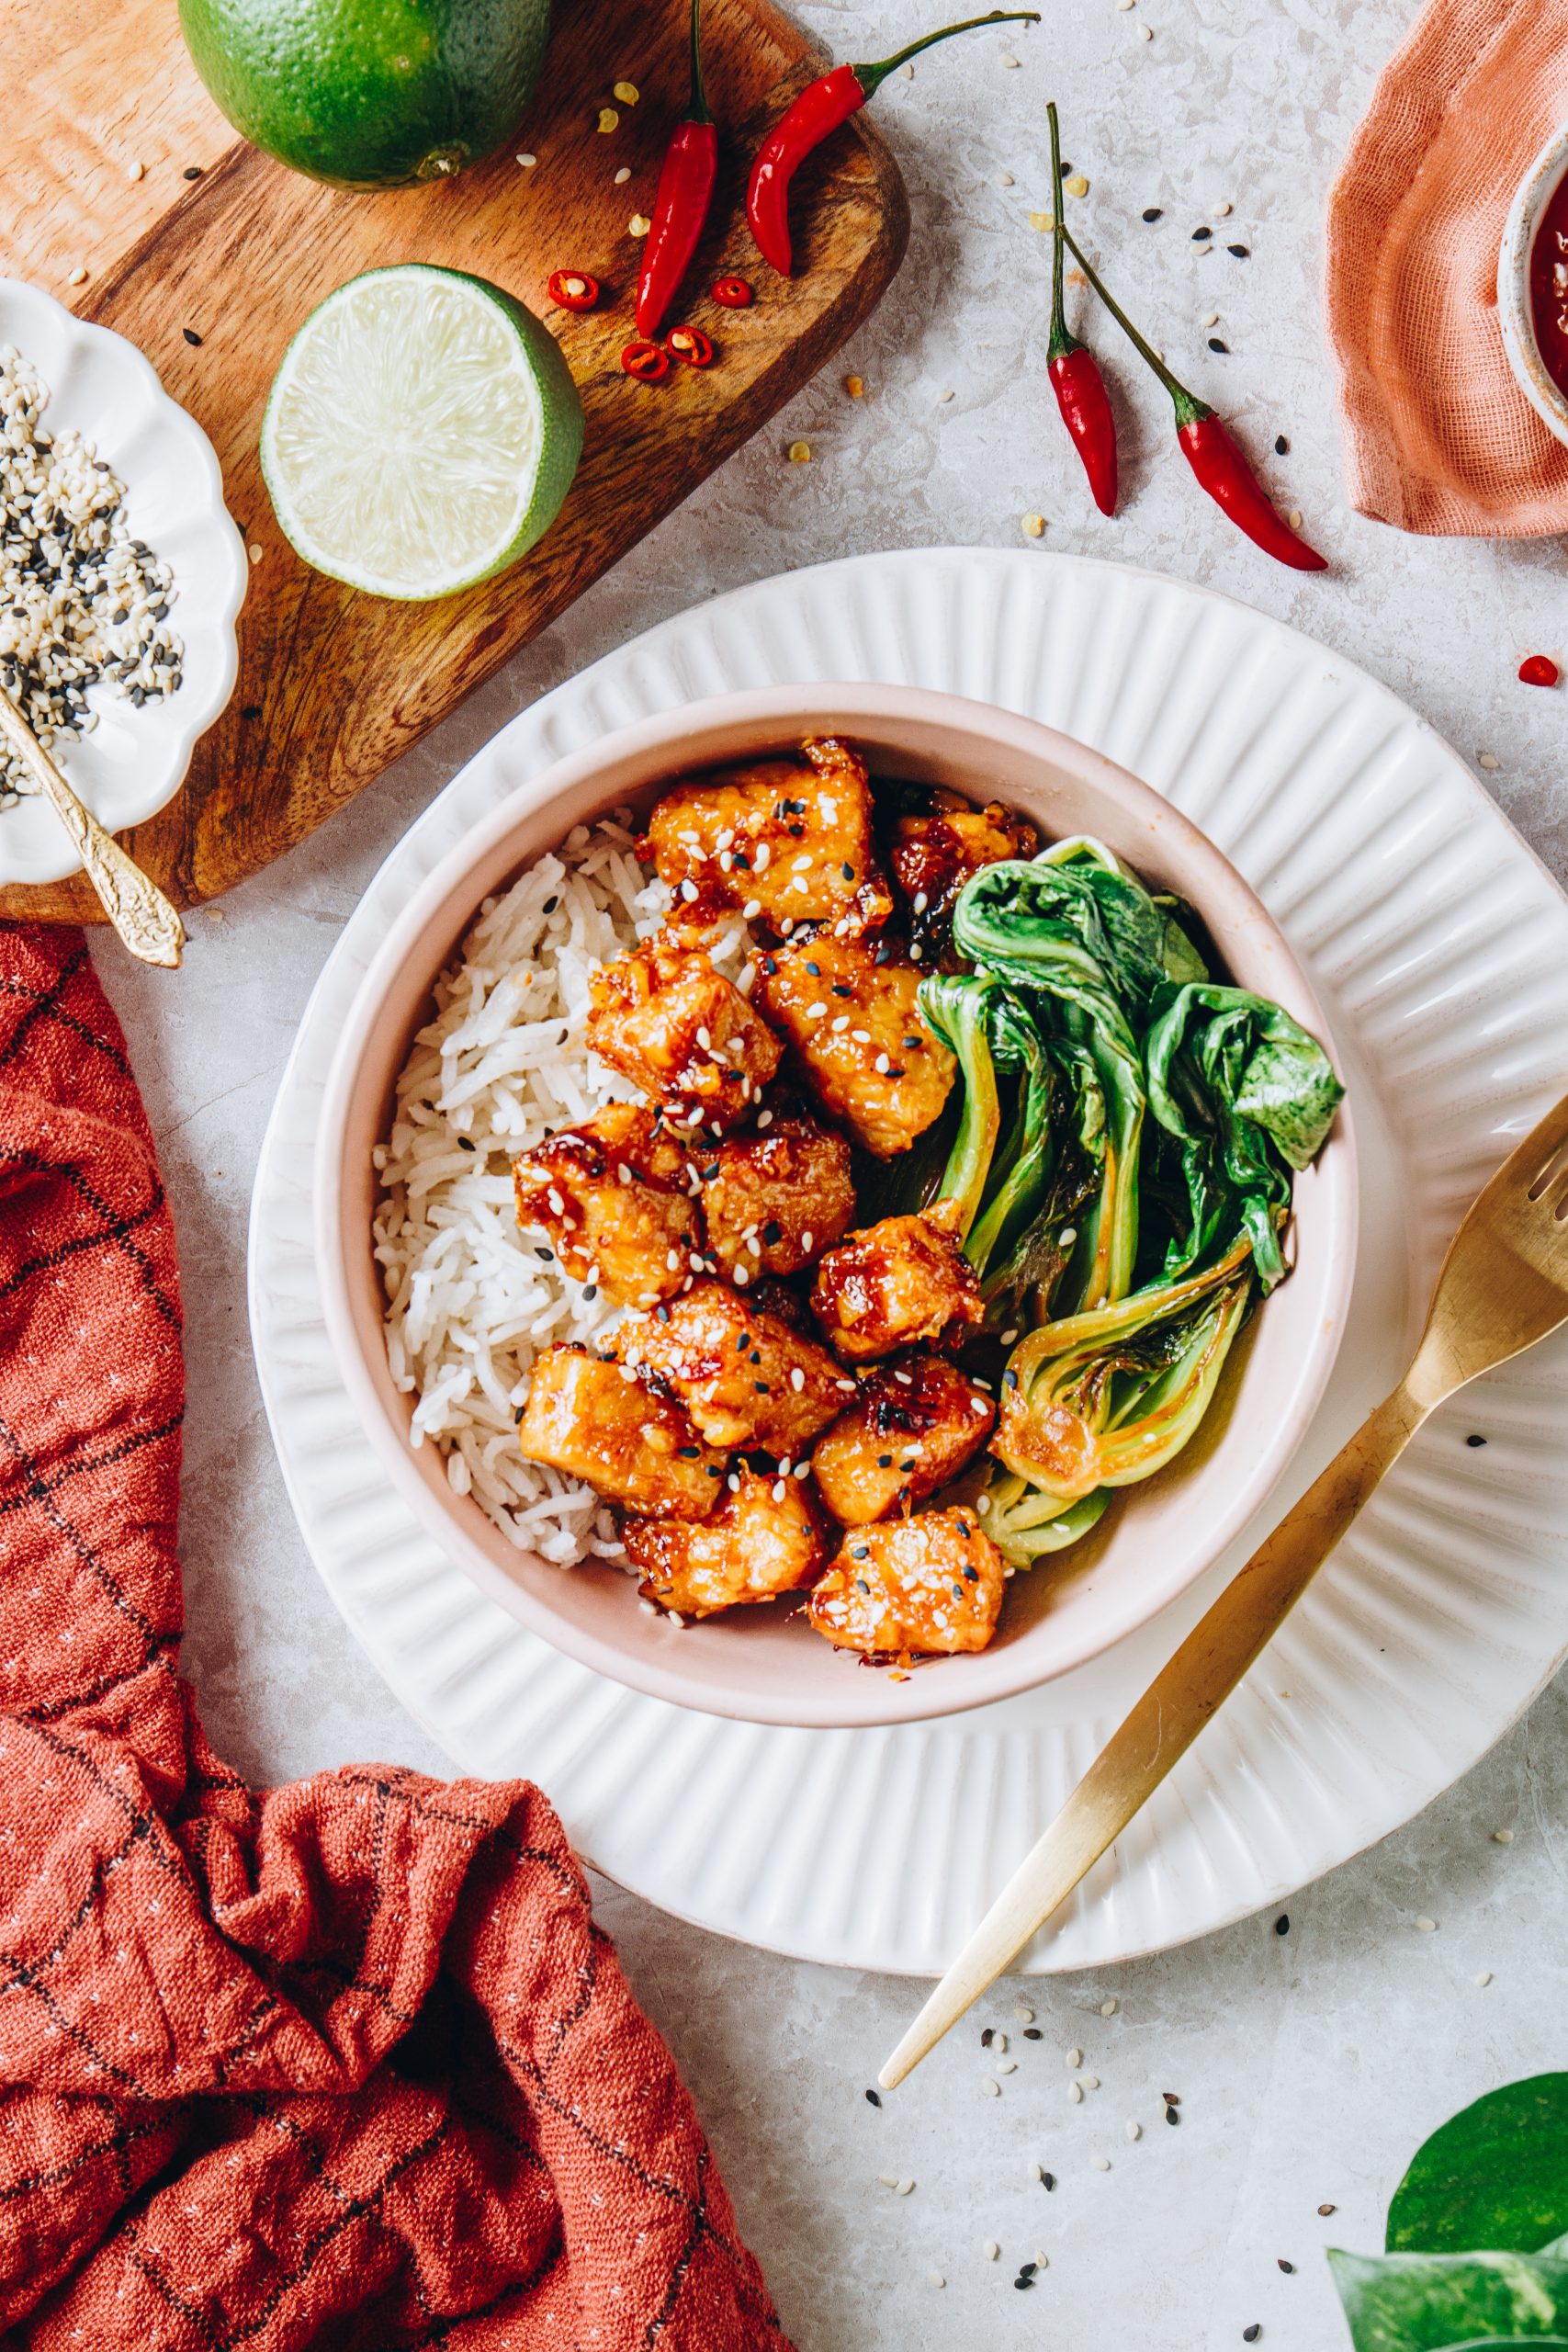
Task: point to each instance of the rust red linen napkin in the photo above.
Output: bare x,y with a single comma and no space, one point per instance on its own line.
347,2064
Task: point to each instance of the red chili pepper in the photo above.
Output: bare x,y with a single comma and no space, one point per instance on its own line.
1208,448
685,192
734,293
1073,370
573,289
649,362
1539,670
691,344
815,115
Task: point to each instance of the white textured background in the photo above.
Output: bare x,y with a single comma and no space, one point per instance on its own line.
1309,2065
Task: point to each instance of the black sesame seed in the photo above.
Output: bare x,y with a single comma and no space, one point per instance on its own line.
465,1143
1242,252
1172,2115
1153,212
973,1575
1287,2267
191,171
1048,2180
688,1452
873,2098
1200,236
1010,1378
987,2035
192,337
862,1584
1034,2033
1282,446
1475,1441
545,1254
1215,345
884,1462
550,905
863,1555
1027,2269
848,872
1022,2282
840,990
1250,2335
814,970
1282,1924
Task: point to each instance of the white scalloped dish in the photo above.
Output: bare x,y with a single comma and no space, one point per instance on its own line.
135,760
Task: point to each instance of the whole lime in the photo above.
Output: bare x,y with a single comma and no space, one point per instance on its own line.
370,94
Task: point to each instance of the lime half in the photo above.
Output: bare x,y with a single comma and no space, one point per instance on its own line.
422,432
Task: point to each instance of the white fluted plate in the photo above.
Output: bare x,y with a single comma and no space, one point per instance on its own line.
1437,944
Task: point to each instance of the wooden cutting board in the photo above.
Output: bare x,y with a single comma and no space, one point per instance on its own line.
333,686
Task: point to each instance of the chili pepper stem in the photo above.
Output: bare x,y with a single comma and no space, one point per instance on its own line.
870,76
697,111
1189,407
1061,341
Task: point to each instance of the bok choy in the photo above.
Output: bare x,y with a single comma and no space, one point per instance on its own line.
1129,1134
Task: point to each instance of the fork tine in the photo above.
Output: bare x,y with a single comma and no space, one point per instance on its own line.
1535,1158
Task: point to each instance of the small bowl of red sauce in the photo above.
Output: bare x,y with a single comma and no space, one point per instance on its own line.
1533,285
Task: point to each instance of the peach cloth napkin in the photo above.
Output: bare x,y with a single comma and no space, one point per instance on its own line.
1438,437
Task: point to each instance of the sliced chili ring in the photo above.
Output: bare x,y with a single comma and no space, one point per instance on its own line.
733,293
649,362
573,289
691,344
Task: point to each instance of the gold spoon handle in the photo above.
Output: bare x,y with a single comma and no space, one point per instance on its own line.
1181,1699
141,913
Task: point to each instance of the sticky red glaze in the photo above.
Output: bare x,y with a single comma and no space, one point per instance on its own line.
1549,293
1539,670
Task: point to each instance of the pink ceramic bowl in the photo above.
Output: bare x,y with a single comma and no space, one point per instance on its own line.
765,1664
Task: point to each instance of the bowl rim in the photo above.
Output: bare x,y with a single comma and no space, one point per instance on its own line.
692,735
1515,314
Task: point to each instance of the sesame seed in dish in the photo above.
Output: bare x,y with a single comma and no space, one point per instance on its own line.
83,604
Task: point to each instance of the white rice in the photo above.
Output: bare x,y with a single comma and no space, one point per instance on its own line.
471,1300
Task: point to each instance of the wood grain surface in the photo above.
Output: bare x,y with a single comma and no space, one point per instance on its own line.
333,685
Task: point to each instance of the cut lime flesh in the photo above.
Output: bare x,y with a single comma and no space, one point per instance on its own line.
422,432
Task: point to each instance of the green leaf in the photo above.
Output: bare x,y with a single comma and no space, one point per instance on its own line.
1495,2175
1432,2302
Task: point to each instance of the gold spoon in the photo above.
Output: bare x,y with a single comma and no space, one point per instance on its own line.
131,899
1503,1285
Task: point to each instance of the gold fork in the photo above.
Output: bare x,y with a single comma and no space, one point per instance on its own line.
1503,1285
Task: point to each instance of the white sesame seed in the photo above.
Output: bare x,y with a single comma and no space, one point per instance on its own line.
991,2087
1009,60
1146,32
903,2186
1068,1236
1007,2066
135,171
255,552
1023,2013
1037,2170
990,2249
1428,1927
1075,2092
527,162
1005,179
1042,2261
1107,2008
623,175
1091,2082
1489,760
889,2179
998,2040
1502,1836
936,2277
1134,2130
1100,2164
78,276
1074,2057
1484,1977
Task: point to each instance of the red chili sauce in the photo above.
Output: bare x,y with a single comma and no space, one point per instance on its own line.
1548,286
